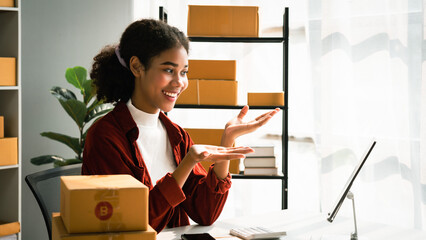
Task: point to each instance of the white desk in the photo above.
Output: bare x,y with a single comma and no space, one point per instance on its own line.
299,227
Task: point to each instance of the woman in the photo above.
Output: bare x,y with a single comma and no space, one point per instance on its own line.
144,76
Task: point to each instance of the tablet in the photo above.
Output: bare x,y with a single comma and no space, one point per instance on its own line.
342,196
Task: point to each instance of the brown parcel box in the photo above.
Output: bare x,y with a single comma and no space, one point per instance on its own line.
222,21
9,228
190,95
1,127
7,71
59,232
218,92
211,137
7,3
103,203
212,69
8,151
266,99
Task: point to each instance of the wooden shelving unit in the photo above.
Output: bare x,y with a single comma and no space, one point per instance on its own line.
281,40
10,108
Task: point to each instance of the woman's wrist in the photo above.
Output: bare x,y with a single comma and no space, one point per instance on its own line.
184,169
190,158
221,169
227,139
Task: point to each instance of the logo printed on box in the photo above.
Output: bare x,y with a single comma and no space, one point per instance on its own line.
103,210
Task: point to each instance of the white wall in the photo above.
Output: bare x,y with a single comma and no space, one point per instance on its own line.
56,35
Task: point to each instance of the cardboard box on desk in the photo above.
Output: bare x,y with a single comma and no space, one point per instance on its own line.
266,99
7,3
8,151
218,92
103,203
223,21
211,137
212,69
59,232
190,95
7,71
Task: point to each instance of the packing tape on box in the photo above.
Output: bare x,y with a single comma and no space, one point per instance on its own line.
114,236
108,200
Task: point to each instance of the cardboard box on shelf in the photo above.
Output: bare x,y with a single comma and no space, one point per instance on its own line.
1,127
7,3
8,71
218,92
212,69
266,99
8,151
59,232
211,137
9,228
223,21
190,95
103,203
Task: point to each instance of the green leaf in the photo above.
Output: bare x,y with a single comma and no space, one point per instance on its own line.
62,93
89,91
64,162
77,77
45,159
93,105
99,111
72,142
75,109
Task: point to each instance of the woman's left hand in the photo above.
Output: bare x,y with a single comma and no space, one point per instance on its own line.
238,127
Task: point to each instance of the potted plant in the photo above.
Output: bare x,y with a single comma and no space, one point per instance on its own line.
82,112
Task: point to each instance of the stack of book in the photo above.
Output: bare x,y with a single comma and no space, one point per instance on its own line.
261,162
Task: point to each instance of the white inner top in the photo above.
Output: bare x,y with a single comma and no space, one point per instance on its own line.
153,143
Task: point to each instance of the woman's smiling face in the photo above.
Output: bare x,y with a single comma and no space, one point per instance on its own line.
158,87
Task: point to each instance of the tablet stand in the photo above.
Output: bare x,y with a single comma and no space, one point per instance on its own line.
347,194
354,235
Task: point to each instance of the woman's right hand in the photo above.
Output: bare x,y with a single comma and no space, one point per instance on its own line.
200,153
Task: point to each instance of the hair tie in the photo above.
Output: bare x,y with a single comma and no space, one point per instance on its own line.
120,59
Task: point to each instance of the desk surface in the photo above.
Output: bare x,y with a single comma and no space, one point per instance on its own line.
300,226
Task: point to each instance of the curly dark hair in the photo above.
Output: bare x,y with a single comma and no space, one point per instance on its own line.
144,39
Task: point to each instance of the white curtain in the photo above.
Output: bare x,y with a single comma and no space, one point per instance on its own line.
367,79
356,74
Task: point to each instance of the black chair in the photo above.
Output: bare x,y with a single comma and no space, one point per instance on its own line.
45,186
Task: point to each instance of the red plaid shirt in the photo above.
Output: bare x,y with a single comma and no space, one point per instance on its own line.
111,148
